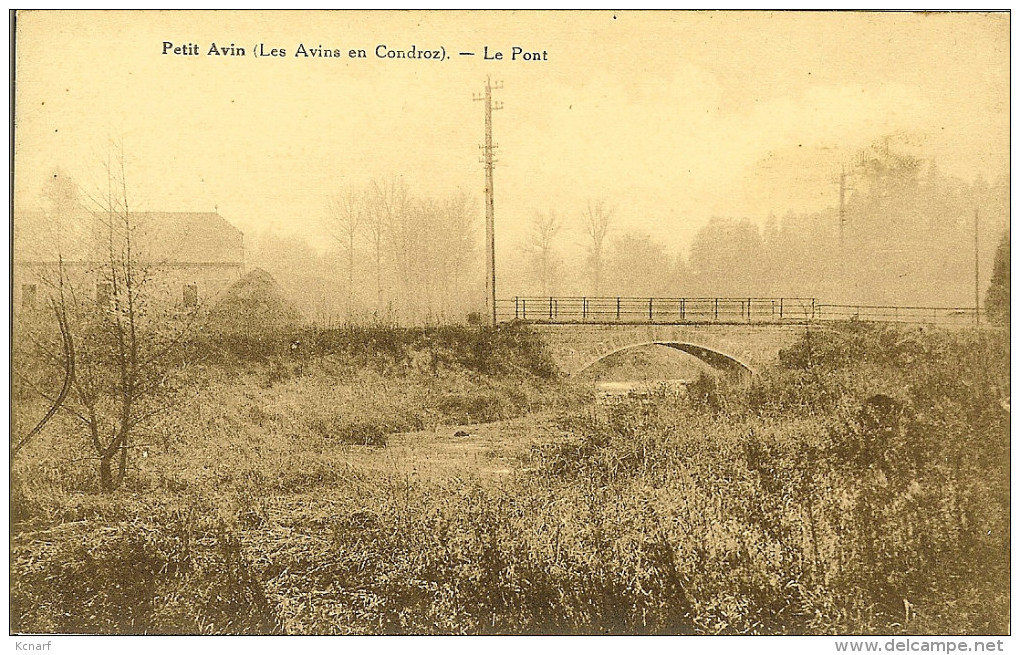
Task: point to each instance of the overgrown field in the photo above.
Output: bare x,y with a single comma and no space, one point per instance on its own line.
862,486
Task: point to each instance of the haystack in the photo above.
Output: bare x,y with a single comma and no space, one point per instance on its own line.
254,306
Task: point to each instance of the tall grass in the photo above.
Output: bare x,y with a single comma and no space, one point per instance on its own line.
871,468
860,487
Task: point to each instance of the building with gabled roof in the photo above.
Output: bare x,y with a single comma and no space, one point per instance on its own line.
188,257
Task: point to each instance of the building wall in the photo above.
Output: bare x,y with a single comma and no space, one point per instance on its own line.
165,284
185,257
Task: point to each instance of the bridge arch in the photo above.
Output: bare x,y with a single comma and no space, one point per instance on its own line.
714,358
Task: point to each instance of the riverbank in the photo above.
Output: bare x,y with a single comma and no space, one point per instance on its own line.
860,487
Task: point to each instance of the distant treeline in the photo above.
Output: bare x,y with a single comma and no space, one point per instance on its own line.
395,258
907,238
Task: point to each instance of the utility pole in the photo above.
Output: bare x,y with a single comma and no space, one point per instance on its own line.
842,255
843,188
490,232
977,288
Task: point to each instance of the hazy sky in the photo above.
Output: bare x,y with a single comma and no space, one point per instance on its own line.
671,117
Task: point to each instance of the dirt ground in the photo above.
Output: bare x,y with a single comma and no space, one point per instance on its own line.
488,451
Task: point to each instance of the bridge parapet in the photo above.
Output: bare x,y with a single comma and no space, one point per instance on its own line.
750,347
730,333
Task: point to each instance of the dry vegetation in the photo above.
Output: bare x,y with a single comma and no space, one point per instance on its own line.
268,500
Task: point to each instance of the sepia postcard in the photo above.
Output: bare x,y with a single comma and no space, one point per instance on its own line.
629,323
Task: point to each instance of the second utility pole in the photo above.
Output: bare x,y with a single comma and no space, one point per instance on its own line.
843,188
490,232
977,284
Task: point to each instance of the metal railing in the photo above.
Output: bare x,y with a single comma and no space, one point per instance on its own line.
655,310
673,311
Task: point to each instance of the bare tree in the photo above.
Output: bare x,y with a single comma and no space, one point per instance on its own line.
402,230
111,382
421,247
427,269
541,245
346,213
596,220
389,199
459,239
117,339
640,266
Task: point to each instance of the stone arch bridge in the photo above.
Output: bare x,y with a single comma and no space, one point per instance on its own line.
734,348
739,335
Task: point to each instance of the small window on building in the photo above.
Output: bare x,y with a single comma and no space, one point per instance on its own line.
28,296
191,295
104,293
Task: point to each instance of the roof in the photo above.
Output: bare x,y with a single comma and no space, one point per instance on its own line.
159,237
188,238
39,237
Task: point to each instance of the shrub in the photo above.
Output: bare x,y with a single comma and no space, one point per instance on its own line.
507,349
